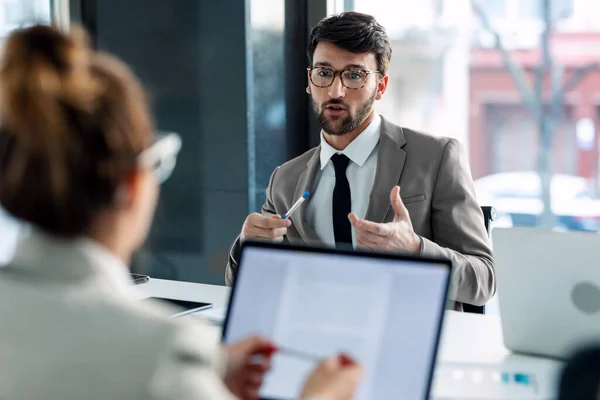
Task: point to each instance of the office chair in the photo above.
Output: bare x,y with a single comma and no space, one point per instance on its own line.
489,214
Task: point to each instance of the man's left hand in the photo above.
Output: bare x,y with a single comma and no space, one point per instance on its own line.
397,235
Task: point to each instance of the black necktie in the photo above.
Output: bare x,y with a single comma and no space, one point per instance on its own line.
342,202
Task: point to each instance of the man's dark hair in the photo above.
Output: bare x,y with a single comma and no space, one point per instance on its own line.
355,32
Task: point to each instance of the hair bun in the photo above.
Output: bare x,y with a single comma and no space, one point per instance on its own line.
72,122
45,81
40,67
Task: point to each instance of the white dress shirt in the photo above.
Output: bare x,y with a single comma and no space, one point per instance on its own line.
362,153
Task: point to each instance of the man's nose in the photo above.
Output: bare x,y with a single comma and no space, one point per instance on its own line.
337,90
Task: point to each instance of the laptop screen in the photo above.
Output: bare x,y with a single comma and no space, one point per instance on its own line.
384,311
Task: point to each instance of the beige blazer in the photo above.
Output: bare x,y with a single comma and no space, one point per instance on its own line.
69,329
437,189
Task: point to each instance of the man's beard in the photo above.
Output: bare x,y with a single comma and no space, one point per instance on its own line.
350,122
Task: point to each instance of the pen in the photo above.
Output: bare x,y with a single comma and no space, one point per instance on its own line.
299,354
296,205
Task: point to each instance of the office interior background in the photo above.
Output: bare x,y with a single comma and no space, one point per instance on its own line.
516,81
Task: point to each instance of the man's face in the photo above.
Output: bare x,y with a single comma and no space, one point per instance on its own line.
339,109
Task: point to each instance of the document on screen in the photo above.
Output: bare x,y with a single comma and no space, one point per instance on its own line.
384,313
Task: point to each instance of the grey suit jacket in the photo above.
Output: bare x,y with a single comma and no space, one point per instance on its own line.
437,189
70,330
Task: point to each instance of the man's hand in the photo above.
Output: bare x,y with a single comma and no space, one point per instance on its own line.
257,226
396,235
335,378
247,363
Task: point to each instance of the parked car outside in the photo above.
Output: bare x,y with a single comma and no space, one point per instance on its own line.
518,195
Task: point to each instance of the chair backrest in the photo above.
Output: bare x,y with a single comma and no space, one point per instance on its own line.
489,213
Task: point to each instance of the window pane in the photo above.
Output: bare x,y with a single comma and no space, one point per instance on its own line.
495,8
447,78
268,119
530,9
533,9
15,14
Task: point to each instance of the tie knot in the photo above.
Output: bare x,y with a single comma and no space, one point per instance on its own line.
340,163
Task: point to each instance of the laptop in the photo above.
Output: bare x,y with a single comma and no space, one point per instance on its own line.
384,310
548,290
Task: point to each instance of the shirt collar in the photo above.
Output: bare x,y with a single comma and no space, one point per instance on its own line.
359,149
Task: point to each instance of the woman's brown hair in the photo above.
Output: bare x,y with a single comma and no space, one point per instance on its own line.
72,122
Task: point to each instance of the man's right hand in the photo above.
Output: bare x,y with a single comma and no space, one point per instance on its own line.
335,378
257,226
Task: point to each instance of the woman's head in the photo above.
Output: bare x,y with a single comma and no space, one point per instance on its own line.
73,123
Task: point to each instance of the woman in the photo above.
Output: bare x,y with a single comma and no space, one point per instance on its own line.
79,164
580,378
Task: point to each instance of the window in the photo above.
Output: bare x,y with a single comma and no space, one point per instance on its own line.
268,143
479,101
525,9
533,9
495,8
14,14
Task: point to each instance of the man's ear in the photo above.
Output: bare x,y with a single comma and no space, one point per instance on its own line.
308,89
382,87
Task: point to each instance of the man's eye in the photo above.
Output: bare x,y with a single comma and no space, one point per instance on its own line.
354,75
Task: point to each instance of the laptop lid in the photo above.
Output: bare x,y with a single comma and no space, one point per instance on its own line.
548,289
384,310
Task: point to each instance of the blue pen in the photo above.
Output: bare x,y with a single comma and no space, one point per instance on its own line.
296,205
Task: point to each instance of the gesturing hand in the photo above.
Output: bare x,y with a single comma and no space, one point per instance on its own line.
396,235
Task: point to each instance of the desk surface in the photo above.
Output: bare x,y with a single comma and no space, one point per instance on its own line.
471,348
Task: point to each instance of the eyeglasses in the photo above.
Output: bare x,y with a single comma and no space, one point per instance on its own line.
161,156
352,78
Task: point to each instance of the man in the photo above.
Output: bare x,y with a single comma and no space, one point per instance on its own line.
373,184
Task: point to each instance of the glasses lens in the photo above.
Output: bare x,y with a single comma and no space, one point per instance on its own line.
161,156
353,78
321,77
164,169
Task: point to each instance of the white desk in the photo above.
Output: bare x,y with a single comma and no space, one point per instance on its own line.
472,354
217,295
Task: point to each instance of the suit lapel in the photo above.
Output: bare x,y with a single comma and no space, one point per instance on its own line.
390,163
306,182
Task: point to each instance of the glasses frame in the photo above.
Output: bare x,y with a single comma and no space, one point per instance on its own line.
339,73
161,155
